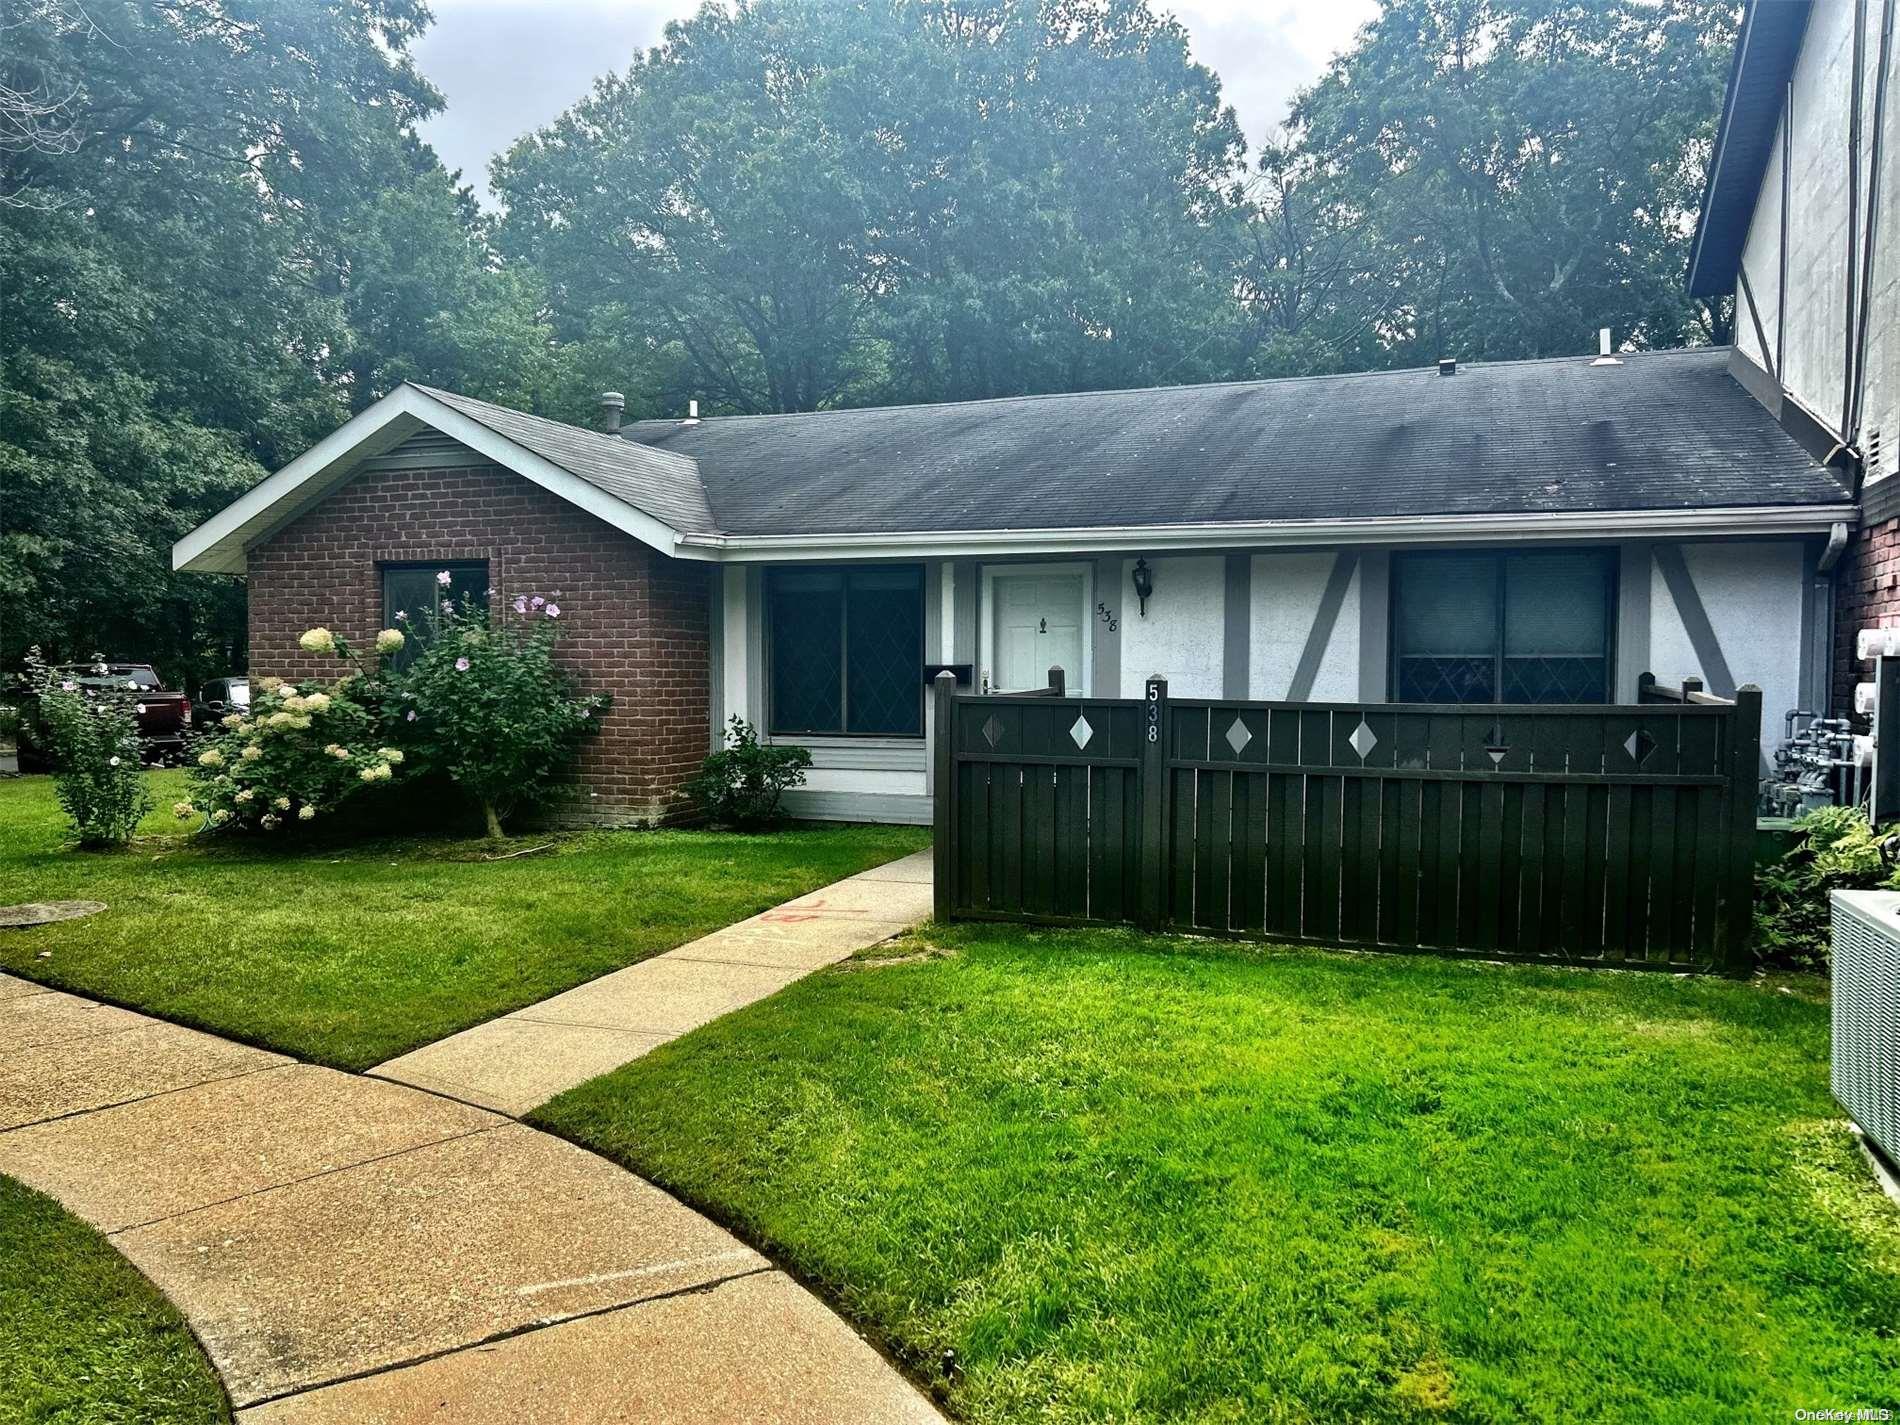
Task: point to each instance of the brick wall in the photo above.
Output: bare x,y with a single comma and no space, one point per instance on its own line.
635,623
1866,595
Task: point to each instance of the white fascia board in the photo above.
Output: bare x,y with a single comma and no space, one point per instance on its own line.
221,543
1417,529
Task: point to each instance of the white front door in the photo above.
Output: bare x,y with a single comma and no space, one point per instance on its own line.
1039,622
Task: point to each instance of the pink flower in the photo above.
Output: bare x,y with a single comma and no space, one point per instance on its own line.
521,605
448,606
443,578
402,613
554,610
409,716
461,665
536,602
69,686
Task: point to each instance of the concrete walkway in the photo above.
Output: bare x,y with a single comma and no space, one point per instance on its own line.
354,1250
521,1060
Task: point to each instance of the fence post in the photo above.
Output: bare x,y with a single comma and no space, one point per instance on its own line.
1152,893
1058,688
943,851
1744,787
1645,687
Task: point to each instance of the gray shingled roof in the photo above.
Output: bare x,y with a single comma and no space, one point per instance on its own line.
1663,430
659,482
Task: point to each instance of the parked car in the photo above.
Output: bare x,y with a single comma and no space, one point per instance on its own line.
164,715
225,695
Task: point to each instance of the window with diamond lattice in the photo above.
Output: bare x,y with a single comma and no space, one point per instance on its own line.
847,649
1529,627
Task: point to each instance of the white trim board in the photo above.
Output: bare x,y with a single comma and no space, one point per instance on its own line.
1731,521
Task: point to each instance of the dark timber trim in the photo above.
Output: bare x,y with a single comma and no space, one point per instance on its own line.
1325,620
1695,619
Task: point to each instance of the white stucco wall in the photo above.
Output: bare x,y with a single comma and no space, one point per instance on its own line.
1752,594
1182,635
1814,345
1286,596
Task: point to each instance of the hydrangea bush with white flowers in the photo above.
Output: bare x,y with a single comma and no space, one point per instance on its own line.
92,733
294,755
487,704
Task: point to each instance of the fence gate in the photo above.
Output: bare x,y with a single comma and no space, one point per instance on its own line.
1604,834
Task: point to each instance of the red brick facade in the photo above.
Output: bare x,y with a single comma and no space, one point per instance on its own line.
635,622
1866,595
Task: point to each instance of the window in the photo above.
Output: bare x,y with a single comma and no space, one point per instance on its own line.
847,650
412,591
1503,628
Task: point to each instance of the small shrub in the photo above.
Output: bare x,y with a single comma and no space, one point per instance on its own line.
91,732
294,756
1835,850
487,704
741,784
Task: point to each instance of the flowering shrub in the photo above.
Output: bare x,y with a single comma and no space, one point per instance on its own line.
294,756
91,731
740,785
487,704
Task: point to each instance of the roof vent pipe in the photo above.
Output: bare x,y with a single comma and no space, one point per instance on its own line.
1603,349
692,414
612,403
1447,366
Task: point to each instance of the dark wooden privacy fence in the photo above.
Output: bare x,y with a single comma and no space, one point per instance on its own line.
1620,835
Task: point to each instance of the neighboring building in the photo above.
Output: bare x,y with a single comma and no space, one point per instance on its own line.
1801,223
1519,532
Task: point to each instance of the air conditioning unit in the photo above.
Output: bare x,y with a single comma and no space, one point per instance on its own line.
1866,1061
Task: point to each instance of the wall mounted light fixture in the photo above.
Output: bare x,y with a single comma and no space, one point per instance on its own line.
1144,584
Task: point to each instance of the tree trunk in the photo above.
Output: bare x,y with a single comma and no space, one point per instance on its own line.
492,821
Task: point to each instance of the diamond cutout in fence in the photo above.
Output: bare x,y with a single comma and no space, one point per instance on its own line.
993,730
1238,736
1639,745
1363,739
1080,731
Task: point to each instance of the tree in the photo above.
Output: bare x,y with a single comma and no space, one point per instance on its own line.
1524,172
218,235
802,204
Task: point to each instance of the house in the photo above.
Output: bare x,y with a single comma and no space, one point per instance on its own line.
1539,531
1800,223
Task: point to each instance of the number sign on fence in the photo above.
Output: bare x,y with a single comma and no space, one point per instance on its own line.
1621,835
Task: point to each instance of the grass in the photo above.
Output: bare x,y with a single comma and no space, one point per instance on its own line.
1128,1179
350,954
84,1339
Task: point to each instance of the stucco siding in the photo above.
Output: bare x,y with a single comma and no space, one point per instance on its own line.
1183,633
1288,590
1751,592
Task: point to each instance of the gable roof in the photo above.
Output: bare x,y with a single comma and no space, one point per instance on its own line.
1663,431
1765,51
653,495
1657,443
660,482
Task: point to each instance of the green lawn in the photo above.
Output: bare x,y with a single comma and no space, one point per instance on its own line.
1130,1179
350,954
84,1339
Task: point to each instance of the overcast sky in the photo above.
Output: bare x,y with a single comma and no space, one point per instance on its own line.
508,66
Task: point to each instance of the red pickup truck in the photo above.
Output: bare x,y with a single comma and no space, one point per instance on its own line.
164,716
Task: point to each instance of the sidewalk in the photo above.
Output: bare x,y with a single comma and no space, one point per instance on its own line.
352,1250
521,1060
